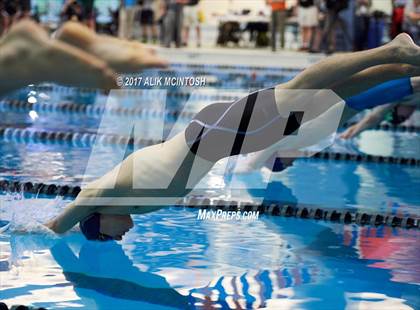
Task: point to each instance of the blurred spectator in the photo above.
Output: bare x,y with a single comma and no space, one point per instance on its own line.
88,13
24,8
114,24
412,19
173,22
229,31
147,21
192,19
127,15
13,10
316,38
397,18
308,20
160,12
278,21
361,23
4,18
332,22
72,10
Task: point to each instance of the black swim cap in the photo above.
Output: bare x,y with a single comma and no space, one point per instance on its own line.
90,227
400,113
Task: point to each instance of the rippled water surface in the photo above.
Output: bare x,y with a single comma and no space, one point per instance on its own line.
172,260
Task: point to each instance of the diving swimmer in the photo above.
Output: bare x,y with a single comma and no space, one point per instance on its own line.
75,56
166,172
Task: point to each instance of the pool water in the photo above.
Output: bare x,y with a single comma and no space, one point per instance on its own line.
172,260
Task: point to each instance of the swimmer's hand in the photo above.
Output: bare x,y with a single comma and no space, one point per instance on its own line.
53,226
50,225
71,215
369,121
353,130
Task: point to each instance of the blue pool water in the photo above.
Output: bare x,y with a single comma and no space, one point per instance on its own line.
171,260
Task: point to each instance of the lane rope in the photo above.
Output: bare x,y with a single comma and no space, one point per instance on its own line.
99,110
90,109
274,208
86,139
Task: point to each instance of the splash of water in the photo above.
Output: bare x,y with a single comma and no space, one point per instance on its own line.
28,215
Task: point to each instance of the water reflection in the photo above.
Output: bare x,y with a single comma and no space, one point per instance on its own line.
172,260
365,263
106,269
368,186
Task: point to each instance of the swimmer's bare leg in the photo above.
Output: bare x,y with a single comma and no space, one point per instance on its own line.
348,75
29,56
373,76
339,67
364,69
120,55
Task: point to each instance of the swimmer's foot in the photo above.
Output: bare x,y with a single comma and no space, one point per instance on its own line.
29,56
122,56
405,50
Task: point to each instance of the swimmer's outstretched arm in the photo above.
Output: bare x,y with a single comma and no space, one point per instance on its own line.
374,118
65,220
377,115
165,167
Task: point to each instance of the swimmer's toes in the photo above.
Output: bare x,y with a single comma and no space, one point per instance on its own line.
109,80
152,61
404,39
405,49
28,29
74,67
99,76
150,49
